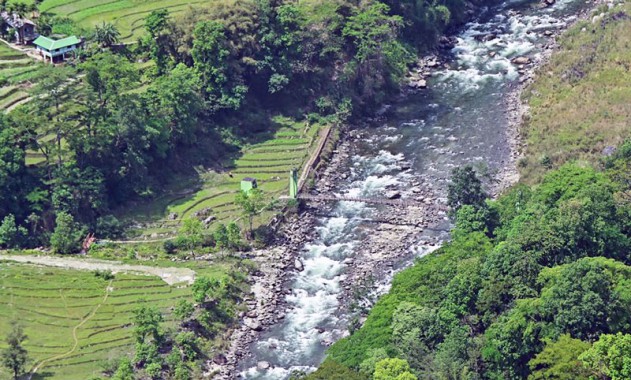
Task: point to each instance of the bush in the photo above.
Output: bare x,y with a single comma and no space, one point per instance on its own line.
263,236
67,235
104,274
169,247
109,227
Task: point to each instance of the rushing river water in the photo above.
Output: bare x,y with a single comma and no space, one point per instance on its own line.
461,118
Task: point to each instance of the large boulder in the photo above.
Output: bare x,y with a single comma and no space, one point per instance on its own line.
262,366
252,324
521,60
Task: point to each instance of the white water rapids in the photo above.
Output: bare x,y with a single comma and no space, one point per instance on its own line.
460,119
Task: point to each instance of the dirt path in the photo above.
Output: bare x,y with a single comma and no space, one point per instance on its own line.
74,333
169,275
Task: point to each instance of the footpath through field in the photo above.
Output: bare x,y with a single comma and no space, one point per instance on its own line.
170,275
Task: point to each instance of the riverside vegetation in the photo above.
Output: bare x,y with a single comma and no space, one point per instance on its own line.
208,94
535,284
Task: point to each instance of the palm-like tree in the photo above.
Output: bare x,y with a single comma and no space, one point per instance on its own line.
106,34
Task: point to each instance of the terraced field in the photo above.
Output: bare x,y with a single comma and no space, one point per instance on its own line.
269,162
127,15
18,73
75,320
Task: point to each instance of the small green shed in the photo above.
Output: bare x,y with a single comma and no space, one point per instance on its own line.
248,184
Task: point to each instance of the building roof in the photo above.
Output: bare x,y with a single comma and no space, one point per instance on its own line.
50,44
14,20
249,179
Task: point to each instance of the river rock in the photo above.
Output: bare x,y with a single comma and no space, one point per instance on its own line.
521,61
419,84
298,265
431,63
262,366
549,3
220,359
252,324
393,194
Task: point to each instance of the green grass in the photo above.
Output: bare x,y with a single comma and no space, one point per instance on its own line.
52,303
269,161
127,15
580,102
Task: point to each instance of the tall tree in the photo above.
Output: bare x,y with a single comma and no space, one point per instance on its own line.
610,357
465,189
157,26
67,235
223,86
15,356
251,203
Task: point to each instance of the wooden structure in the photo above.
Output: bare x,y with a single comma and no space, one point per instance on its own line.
25,29
52,50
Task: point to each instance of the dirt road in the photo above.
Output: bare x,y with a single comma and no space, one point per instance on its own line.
169,275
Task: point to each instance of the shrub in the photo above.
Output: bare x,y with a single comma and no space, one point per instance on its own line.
104,274
109,227
169,247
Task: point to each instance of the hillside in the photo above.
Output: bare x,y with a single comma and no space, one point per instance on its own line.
533,285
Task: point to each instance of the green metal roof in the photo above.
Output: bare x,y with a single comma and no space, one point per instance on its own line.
50,44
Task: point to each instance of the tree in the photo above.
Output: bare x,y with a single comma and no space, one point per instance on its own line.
609,357
559,360
578,298
106,34
14,357
192,230
393,369
207,290
233,233
48,95
251,203
156,24
125,370
147,321
67,235
379,59
465,189
177,97
211,54
12,169
221,236
11,235
330,370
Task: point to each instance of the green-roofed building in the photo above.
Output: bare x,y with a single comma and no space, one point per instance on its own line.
53,49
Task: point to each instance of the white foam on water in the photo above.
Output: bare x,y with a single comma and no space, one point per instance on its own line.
310,320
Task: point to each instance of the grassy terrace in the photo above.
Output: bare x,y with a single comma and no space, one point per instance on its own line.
18,72
577,105
127,15
75,320
268,161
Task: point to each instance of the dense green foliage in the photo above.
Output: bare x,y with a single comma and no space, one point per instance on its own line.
524,288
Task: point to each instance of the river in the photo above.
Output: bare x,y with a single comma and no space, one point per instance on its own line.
461,118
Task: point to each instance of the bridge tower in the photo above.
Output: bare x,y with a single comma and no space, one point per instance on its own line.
293,183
